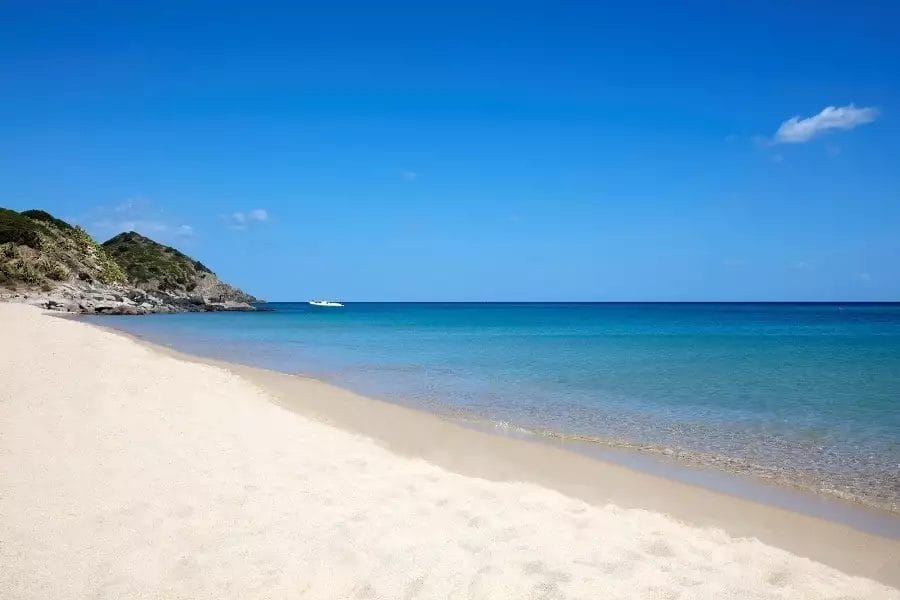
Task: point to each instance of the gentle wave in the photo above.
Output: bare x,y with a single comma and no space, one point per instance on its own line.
848,490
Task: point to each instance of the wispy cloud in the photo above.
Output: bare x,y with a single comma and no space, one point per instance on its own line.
135,214
797,130
409,175
132,205
141,226
242,219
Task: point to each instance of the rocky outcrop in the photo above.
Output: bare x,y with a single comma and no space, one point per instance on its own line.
86,298
46,262
166,272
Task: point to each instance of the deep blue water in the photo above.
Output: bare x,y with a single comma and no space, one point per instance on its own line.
800,393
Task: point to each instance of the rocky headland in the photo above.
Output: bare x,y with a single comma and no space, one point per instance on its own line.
47,262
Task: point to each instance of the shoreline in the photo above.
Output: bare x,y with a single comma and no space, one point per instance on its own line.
775,493
596,479
746,484
719,473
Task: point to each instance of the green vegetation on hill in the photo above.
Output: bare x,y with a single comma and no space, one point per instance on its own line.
147,262
44,216
109,270
38,249
18,229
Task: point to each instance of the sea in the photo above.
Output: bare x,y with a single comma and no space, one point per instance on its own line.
805,395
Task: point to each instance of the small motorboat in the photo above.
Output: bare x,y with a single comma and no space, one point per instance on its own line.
325,303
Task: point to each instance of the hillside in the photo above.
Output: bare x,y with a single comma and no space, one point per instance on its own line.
38,249
152,266
46,261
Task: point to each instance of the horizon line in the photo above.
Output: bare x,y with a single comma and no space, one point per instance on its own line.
592,301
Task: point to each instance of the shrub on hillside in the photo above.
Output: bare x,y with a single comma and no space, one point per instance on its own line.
110,271
52,268
19,270
16,229
44,216
9,250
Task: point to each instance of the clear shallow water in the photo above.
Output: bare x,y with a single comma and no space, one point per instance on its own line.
805,394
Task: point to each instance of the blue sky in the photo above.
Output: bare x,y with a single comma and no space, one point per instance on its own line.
471,151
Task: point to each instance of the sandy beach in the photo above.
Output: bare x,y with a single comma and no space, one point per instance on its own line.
127,471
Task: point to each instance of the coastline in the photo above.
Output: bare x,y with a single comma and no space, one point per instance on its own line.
777,493
735,399
595,477
716,473
132,470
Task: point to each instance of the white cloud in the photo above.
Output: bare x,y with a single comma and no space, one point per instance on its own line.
258,214
135,214
132,205
409,175
240,220
139,225
797,130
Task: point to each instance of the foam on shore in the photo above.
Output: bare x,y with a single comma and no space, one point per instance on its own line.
128,473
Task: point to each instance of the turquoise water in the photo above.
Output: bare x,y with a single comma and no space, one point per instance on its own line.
806,394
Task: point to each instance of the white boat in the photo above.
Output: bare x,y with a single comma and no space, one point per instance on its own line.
325,303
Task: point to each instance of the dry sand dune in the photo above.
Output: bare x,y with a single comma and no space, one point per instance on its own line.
126,473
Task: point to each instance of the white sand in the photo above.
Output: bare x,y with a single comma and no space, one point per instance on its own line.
125,473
